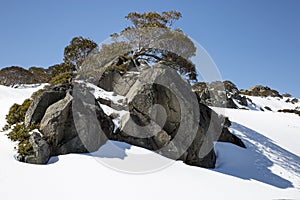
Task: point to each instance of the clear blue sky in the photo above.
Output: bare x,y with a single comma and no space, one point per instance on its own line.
252,42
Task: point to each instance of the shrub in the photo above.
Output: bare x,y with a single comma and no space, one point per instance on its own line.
20,134
295,100
268,108
120,68
37,93
61,78
287,95
17,113
297,112
25,148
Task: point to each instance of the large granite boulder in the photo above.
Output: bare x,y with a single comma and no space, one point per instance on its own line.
39,106
71,121
119,76
75,124
166,117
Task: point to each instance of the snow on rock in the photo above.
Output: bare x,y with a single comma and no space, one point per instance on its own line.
112,97
119,114
103,94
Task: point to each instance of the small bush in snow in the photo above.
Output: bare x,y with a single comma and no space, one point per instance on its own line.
290,111
17,113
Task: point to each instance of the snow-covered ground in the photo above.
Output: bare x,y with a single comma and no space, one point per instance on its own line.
269,103
268,169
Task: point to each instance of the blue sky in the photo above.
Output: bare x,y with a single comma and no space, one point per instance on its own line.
252,42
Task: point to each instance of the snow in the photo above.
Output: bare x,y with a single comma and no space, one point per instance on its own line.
267,169
113,98
103,94
108,111
274,103
9,96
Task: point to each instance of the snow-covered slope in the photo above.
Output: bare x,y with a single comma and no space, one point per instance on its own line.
267,169
269,103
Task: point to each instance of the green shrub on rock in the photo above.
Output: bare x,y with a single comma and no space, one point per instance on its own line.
37,93
25,149
20,133
61,78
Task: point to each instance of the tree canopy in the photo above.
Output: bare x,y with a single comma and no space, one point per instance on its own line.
77,51
151,38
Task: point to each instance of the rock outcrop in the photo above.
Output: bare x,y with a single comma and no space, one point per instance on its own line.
219,94
163,115
73,124
39,106
262,91
41,151
166,117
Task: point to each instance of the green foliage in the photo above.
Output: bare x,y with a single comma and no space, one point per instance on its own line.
17,75
17,113
153,19
20,134
61,78
37,93
151,39
40,74
25,148
55,70
121,68
261,91
77,51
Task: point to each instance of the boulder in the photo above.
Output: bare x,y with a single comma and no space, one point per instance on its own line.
219,94
263,91
165,117
112,80
75,124
39,105
41,150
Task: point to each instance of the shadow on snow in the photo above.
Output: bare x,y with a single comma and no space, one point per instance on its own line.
255,161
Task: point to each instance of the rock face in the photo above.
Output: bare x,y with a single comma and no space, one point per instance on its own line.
115,81
41,150
219,94
165,117
120,77
39,106
74,124
65,136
